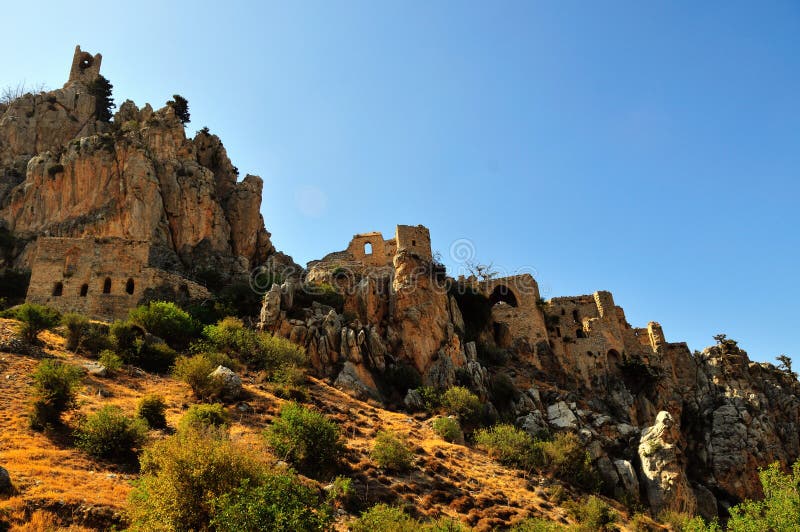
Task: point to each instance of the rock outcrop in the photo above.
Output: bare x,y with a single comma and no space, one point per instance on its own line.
65,173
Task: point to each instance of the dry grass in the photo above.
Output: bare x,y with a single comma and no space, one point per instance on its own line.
58,486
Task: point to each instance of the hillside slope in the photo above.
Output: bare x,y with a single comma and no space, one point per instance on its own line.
56,483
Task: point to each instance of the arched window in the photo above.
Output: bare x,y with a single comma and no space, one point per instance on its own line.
58,289
575,316
579,333
502,293
107,285
84,289
367,249
413,242
129,286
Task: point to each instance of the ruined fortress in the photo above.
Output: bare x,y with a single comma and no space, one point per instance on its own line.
107,215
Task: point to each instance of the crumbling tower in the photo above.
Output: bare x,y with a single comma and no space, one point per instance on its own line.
85,66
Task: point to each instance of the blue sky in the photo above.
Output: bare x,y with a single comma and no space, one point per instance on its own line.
647,148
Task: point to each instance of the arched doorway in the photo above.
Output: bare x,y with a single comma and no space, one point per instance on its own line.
502,293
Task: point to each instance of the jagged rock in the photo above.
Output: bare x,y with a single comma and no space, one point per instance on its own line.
377,351
413,401
96,369
534,424
706,502
357,381
270,308
5,482
627,476
560,415
523,405
229,381
662,471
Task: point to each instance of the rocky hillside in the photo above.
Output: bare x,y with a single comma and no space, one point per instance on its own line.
56,485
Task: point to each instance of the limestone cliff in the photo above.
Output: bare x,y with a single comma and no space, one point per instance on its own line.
65,173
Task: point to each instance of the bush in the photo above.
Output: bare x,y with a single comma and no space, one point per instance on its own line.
534,524
261,350
459,401
448,429
384,518
181,107
200,416
167,321
566,458
305,438
510,446
280,503
111,361
431,397
490,355
195,371
101,89
54,388
780,508
391,452
593,514
289,382
151,410
130,343
110,434
184,474
35,319
77,326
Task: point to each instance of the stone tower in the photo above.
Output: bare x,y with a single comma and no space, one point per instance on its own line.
85,67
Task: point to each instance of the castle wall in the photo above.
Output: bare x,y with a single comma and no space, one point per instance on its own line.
516,306
415,239
101,277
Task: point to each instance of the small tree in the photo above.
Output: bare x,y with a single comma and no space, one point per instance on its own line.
181,107
35,319
110,434
391,451
786,365
305,438
101,89
54,388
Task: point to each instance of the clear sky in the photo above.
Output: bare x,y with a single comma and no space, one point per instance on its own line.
647,148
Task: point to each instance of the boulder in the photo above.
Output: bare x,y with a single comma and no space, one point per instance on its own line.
559,415
5,482
662,471
413,401
627,476
229,382
357,381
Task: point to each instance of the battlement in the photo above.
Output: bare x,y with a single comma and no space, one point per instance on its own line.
85,66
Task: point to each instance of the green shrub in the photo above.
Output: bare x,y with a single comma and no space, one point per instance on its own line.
510,446
35,319
167,321
203,416
280,503
151,409
390,451
130,342
260,350
54,388
593,514
780,508
101,89
431,397
534,524
195,371
181,107
459,401
566,458
77,326
289,381
184,474
110,434
384,518
111,361
448,429
305,438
